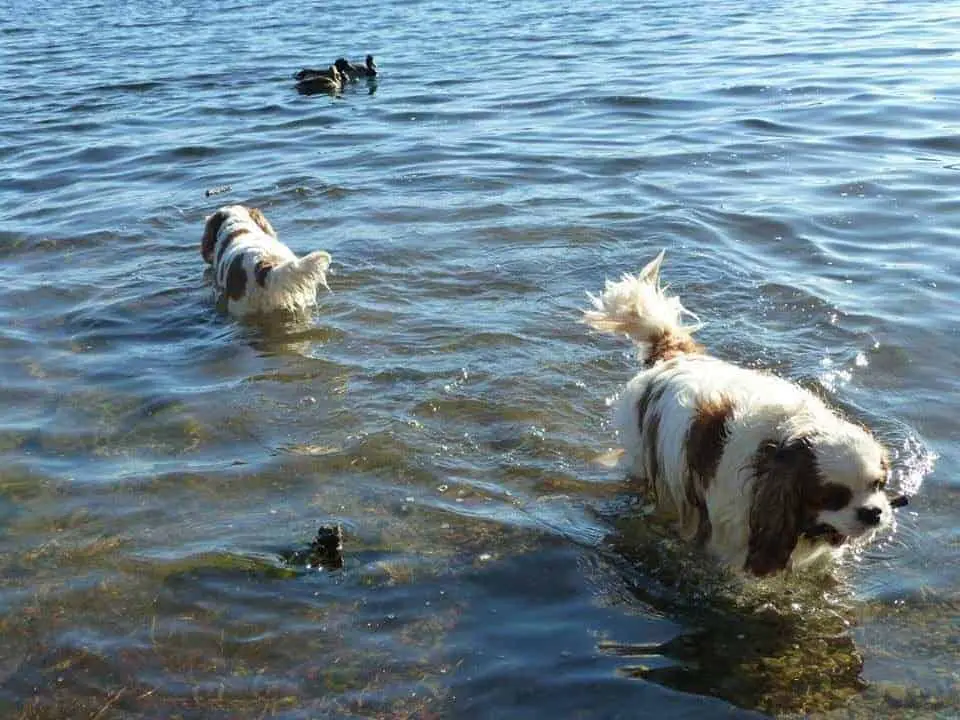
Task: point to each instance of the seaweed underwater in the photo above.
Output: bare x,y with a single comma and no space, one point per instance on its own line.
783,646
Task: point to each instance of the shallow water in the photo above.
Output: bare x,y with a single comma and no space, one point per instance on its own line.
797,161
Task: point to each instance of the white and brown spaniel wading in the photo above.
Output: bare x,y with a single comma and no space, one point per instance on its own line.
256,272
755,468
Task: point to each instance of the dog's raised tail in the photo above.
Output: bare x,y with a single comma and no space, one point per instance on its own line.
638,306
307,272
315,266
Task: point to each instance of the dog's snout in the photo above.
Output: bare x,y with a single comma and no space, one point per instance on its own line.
869,515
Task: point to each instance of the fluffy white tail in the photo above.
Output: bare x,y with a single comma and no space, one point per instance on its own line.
638,307
306,272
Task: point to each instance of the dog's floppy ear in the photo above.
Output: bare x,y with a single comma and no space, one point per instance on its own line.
209,240
260,219
784,474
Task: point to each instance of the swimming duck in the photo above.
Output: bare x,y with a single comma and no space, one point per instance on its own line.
353,71
311,74
320,81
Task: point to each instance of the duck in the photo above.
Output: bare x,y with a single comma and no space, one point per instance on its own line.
356,70
311,74
310,82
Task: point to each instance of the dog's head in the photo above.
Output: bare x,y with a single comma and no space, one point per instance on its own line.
232,215
826,487
850,502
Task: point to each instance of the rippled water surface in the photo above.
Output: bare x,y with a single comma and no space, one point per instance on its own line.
799,162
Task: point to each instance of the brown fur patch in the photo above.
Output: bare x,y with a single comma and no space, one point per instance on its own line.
209,239
652,394
706,439
644,403
262,269
649,423
226,242
236,279
668,345
786,478
262,222
652,437
831,496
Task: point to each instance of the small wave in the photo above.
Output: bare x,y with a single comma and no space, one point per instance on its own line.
747,90
770,127
939,143
650,102
130,86
191,152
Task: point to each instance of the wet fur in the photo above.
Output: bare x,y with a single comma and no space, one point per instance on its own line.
255,271
756,469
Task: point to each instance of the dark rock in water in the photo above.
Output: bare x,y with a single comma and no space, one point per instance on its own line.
900,501
326,550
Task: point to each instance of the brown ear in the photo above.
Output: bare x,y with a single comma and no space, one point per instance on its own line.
264,224
209,240
784,474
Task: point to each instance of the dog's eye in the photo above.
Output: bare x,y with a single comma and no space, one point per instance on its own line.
834,496
878,485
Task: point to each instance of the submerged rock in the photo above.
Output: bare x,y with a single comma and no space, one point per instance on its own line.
326,550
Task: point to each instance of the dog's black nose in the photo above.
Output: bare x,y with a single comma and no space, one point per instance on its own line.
869,515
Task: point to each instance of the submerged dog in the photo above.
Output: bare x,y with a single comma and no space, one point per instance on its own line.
255,271
757,469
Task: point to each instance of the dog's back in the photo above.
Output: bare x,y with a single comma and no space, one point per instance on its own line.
256,272
289,284
691,426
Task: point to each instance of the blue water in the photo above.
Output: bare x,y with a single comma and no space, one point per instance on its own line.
797,160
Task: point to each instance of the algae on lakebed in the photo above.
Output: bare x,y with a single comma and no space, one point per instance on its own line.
785,646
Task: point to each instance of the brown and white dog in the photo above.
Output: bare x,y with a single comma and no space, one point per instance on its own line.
256,272
756,469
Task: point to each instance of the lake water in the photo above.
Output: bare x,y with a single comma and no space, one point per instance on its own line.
798,160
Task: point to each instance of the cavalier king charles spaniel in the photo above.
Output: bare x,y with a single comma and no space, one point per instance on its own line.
755,468
256,272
